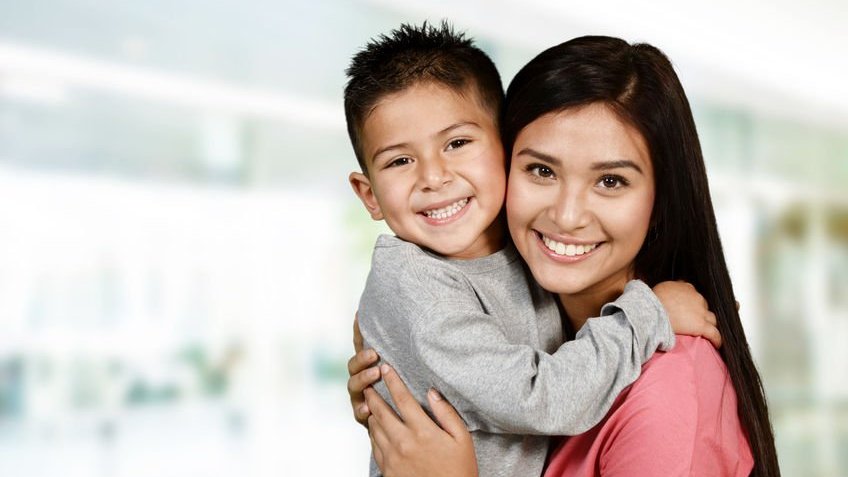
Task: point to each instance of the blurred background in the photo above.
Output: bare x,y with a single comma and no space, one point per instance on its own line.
181,255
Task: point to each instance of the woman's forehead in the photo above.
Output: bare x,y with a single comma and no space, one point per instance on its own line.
586,135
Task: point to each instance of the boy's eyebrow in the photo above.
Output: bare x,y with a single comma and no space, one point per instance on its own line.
456,126
400,145
440,133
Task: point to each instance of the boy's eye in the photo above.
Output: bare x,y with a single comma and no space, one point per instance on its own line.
540,170
400,161
612,182
457,143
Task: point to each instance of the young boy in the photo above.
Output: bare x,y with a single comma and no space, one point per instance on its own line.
448,302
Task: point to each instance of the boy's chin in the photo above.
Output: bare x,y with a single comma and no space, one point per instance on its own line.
449,250
452,248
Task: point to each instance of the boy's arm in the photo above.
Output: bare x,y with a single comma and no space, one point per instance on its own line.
502,387
688,311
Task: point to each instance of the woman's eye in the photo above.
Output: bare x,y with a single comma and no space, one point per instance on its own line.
457,143
540,170
612,182
400,161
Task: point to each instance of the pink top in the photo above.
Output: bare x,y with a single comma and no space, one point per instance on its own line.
678,418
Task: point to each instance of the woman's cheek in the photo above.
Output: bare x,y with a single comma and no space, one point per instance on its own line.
519,203
631,217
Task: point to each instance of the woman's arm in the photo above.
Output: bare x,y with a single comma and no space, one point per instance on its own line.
413,445
688,310
363,373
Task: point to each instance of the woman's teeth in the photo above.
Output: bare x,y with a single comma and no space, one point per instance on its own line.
446,212
570,250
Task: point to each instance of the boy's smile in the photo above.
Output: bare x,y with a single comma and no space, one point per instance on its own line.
441,214
435,170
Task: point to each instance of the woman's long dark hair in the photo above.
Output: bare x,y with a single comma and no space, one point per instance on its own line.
639,83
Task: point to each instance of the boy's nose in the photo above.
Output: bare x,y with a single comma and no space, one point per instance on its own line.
434,174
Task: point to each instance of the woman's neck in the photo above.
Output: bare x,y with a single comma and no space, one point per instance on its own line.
587,304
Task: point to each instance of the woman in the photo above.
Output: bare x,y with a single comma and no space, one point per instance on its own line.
605,152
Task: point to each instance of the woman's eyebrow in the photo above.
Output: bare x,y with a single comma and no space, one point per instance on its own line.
604,165
547,158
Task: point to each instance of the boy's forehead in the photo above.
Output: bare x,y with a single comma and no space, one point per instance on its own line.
466,98
419,112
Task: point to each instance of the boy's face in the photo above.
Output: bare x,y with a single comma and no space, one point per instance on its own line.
435,170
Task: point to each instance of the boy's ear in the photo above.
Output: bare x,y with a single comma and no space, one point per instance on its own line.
362,188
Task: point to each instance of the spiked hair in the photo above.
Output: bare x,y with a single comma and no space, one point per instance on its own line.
410,55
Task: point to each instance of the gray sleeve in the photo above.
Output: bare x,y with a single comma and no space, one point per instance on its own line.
643,310
503,387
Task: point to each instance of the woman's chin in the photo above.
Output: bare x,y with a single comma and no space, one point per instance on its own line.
563,285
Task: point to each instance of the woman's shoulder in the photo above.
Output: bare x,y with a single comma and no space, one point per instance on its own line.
678,418
682,413
688,384
692,357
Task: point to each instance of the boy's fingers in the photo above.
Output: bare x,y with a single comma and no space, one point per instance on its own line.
357,336
713,335
446,415
711,318
738,305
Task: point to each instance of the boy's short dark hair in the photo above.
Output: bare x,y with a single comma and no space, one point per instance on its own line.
410,55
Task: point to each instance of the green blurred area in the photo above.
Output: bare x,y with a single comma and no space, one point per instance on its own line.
181,254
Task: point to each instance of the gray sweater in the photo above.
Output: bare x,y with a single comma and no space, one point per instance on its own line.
490,340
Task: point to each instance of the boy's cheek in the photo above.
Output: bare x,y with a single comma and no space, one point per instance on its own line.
495,163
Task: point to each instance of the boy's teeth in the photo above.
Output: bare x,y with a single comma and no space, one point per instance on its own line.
446,212
570,250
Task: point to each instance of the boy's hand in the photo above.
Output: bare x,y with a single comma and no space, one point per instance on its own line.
363,372
687,311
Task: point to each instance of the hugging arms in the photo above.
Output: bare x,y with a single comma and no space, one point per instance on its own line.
606,184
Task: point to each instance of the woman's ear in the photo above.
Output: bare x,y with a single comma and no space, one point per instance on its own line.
362,188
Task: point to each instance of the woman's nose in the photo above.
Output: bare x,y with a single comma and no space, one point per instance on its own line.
570,211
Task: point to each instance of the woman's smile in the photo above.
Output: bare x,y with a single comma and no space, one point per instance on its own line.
579,200
567,250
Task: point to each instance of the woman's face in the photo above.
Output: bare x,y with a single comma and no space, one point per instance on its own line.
579,199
